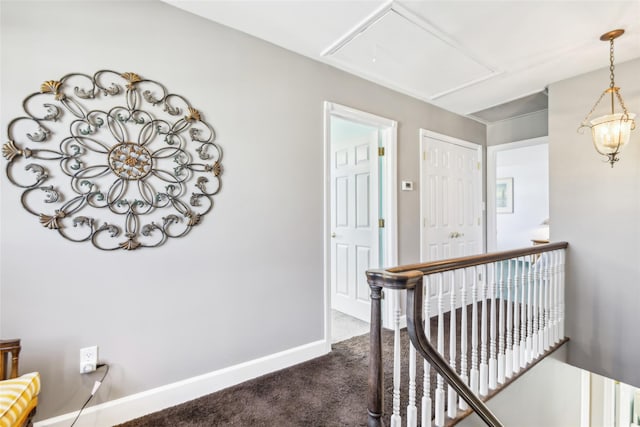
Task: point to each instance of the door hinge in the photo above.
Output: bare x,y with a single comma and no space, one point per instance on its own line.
424,155
381,223
478,163
380,151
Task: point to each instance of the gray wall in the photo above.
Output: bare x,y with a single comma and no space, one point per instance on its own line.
246,283
596,209
548,395
519,128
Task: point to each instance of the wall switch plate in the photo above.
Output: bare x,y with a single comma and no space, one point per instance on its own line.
88,359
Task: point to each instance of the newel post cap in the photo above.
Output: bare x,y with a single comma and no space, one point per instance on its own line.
388,280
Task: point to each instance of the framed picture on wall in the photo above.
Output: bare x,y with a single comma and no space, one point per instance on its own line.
504,195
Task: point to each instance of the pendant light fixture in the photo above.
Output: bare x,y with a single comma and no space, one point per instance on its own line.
612,131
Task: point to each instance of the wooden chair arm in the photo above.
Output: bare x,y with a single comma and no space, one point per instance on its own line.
6,347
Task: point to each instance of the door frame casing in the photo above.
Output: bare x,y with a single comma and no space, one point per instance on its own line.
389,134
424,133
492,153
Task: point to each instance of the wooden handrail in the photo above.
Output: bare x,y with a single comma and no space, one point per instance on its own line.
405,276
409,277
473,260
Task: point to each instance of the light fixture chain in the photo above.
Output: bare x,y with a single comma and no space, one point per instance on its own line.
586,118
611,66
624,107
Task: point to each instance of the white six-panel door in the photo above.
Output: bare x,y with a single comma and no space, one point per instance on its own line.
354,221
451,200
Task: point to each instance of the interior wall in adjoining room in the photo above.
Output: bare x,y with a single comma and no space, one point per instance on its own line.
517,131
596,208
528,126
245,283
528,167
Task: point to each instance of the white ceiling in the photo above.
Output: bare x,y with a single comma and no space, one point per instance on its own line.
463,56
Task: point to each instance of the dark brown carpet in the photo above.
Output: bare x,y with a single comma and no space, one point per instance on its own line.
328,391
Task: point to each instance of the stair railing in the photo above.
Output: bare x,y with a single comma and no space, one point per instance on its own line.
524,289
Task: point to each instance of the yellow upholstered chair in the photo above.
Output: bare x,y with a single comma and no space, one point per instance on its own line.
18,395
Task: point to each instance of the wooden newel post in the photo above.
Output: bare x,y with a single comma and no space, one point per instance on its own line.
379,279
376,374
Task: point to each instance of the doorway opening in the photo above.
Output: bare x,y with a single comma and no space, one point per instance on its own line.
518,194
360,213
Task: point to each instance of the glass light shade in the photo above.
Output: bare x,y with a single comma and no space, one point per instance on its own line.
612,132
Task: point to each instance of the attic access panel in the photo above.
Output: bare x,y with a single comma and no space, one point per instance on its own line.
398,48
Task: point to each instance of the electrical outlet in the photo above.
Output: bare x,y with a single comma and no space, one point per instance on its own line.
88,359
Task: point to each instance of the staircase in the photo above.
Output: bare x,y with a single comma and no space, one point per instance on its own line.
474,323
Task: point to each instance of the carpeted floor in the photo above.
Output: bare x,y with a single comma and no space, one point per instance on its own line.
328,391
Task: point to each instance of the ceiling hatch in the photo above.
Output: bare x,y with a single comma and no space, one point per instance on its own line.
396,46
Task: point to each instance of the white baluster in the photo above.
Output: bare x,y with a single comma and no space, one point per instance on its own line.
426,380
439,416
547,300
452,399
501,340
552,298
508,359
556,296
396,420
535,339
484,367
473,373
492,331
562,290
530,306
412,411
523,315
541,304
517,284
463,337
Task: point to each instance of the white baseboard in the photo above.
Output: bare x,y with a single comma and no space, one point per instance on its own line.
136,405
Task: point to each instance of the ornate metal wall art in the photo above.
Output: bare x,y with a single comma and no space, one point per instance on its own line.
139,168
